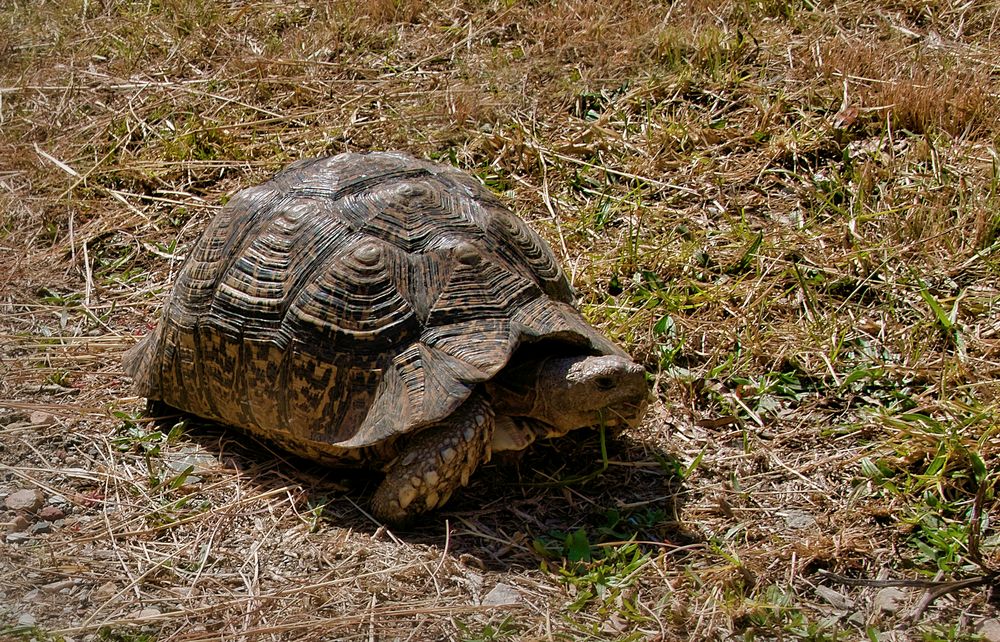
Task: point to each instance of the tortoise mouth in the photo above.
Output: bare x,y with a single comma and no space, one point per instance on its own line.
623,415
618,417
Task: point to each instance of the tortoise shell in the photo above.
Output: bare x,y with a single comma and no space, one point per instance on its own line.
351,300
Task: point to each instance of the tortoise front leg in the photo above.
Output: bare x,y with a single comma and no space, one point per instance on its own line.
434,462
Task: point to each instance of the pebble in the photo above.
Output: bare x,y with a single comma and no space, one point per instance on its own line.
17,538
27,500
836,599
68,521
201,463
26,619
890,599
502,595
20,523
104,592
990,630
60,585
51,513
40,527
798,519
40,418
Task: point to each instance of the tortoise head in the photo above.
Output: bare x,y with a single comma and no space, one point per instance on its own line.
563,393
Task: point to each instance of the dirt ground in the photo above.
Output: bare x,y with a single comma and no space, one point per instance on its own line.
788,212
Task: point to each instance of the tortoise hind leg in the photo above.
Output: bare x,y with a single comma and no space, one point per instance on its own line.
434,462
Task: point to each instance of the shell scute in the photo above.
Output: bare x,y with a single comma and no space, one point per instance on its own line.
352,308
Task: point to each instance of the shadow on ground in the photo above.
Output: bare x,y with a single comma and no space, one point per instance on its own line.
545,503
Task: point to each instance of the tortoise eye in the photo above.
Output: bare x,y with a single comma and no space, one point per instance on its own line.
604,383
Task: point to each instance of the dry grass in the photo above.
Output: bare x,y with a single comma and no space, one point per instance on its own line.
788,211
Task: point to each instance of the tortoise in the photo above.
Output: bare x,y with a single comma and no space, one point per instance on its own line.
379,311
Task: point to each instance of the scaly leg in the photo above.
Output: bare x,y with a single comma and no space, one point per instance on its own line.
434,462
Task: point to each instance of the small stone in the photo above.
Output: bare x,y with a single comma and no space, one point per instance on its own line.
472,580
502,595
26,619
40,527
69,521
798,519
145,614
17,538
837,600
19,524
857,618
200,463
104,592
57,500
890,599
27,500
51,513
40,418
60,585
990,630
